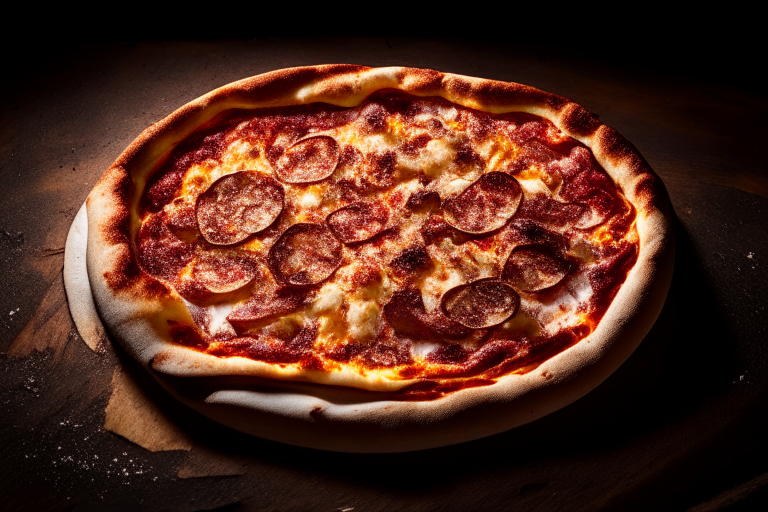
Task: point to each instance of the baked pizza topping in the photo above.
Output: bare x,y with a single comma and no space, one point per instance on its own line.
358,222
407,237
485,205
237,206
305,254
312,159
481,304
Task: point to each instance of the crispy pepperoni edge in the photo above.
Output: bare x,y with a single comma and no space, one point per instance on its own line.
135,307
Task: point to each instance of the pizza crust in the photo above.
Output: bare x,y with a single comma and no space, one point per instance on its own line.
78,287
260,398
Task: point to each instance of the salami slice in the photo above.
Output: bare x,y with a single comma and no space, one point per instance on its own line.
305,254
533,268
222,273
480,304
267,303
358,222
238,205
484,206
309,160
406,313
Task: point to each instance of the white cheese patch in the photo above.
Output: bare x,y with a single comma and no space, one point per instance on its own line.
454,187
435,286
363,318
436,157
561,312
330,297
422,348
533,187
310,198
218,318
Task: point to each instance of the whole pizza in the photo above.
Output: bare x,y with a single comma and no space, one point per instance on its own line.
378,259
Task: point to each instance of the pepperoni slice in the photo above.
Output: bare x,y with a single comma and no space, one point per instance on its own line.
532,268
484,206
266,303
358,222
480,304
223,273
305,254
406,314
312,159
238,205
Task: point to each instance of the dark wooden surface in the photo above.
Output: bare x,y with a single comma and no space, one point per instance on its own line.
680,425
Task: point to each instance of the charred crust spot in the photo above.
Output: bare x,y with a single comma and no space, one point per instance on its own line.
423,201
317,414
350,156
651,193
159,359
435,228
578,120
466,155
411,259
374,117
382,167
423,81
115,229
412,146
526,232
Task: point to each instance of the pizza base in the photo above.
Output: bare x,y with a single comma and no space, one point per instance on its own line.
263,399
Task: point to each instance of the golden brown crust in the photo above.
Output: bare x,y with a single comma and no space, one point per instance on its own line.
139,310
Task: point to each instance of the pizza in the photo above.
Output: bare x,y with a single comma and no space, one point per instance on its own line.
378,259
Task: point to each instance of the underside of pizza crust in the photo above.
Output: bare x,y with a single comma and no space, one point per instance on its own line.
349,409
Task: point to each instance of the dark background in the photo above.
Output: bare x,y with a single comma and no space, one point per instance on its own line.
681,425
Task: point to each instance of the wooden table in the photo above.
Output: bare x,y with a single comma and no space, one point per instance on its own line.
681,424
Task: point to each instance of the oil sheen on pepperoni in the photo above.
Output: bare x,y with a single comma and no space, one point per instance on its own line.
480,304
358,222
533,268
484,206
238,205
305,254
310,160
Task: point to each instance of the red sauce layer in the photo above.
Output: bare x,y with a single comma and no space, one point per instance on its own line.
585,204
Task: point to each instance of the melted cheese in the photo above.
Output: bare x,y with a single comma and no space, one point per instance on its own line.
348,307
